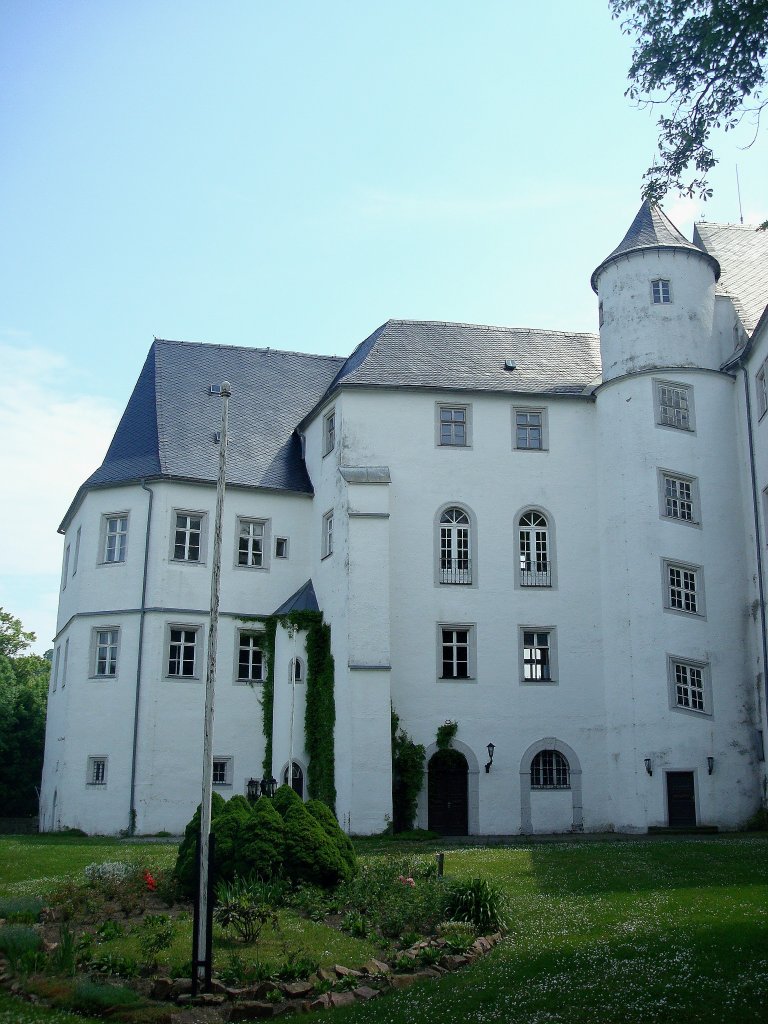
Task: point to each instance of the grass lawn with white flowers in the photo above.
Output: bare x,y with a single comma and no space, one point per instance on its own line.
655,930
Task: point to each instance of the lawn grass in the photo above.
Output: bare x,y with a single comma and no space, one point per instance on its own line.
637,931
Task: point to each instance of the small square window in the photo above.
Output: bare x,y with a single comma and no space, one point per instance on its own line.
683,588
327,539
674,405
114,538
679,497
456,655
222,771
251,663
188,536
281,547
329,432
96,771
530,429
105,647
182,651
689,686
251,543
453,423
660,291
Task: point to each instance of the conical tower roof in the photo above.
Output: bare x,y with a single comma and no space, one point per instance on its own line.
652,229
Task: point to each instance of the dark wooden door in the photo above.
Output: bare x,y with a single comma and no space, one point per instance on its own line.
447,793
681,799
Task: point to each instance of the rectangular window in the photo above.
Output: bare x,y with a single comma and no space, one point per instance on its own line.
683,588
530,429
182,651
105,652
115,538
65,569
689,685
660,291
188,535
329,432
281,547
456,654
97,771
453,426
250,543
250,658
222,771
679,497
674,405
327,541
537,656
56,662
762,392
76,559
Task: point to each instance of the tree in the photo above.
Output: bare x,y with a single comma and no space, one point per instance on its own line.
705,60
23,699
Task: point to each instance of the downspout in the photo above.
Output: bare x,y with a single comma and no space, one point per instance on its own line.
142,616
758,543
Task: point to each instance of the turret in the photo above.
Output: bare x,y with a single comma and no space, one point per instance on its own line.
657,294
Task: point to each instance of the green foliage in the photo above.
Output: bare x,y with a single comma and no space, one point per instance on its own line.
458,935
297,966
186,870
398,896
285,797
23,700
478,902
327,819
445,734
21,909
704,60
246,907
407,775
227,828
262,841
102,999
64,956
17,941
115,964
155,934
309,853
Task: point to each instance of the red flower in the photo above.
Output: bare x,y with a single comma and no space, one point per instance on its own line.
149,881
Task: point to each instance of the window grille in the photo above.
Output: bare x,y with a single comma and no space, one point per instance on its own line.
550,770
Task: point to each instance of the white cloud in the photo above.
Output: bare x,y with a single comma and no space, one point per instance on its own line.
51,438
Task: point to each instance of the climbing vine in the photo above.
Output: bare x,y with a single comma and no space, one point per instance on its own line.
407,776
320,713
445,734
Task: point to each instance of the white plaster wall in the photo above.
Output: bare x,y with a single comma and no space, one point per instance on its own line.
288,739
637,334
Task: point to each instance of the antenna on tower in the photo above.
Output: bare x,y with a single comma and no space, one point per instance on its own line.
738,190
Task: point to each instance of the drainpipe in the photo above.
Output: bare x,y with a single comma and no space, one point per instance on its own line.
758,542
142,616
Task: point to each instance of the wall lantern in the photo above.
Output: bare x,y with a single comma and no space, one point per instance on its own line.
491,748
268,787
648,765
252,790
710,765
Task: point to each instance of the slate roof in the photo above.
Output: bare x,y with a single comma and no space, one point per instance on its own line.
743,254
471,357
651,229
304,600
168,427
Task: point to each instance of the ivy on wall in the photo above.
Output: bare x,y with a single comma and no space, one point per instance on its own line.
446,733
320,714
407,776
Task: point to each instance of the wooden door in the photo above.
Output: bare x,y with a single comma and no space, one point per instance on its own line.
681,799
447,801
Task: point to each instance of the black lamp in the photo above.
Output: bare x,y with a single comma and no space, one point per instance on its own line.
268,787
710,765
491,748
648,765
252,790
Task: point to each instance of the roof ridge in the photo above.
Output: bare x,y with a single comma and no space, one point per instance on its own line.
248,348
498,327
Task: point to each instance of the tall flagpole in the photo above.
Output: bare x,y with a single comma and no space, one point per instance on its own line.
203,938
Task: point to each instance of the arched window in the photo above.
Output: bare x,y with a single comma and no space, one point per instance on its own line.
455,558
535,566
296,670
297,779
550,770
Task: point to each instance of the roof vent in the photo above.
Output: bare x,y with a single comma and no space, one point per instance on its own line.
217,437
510,364
214,389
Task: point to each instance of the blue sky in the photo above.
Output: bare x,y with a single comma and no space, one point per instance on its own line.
290,174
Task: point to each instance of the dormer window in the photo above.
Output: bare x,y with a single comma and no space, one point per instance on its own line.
660,291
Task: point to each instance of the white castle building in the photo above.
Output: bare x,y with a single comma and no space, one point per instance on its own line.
556,541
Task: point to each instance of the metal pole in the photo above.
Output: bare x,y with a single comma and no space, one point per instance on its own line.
293,632
203,939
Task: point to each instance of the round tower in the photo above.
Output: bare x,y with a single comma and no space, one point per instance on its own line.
657,299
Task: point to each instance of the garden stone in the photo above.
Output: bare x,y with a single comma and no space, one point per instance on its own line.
252,1009
347,972
322,1002
374,967
403,980
297,989
428,972
162,988
207,999
237,993
257,992
454,961
324,974
364,993
181,986
342,998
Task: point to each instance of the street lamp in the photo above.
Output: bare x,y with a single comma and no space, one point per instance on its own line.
268,787
252,790
491,748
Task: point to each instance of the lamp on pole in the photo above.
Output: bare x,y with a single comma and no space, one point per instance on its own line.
201,966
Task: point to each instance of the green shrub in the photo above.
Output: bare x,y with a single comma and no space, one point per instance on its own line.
246,907
64,956
458,935
262,841
20,944
285,797
155,933
309,854
21,909
227,828
297,966
322,813
118,965
102,999
185,871
478,902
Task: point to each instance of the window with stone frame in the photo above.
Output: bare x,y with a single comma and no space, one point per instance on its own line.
533,551
96,771
329,432
250,543
550,770
251,663
222,771
455,546
453,426
679,497
689,685
537,655
115,538
674,405
456,651
182,651
661,291
683,591
188,536
530,429
105,647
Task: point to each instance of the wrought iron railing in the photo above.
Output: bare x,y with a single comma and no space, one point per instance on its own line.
537,574
455,570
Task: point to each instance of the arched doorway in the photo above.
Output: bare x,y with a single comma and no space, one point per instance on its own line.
297,779
447,803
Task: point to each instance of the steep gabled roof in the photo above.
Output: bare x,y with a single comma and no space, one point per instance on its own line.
742,251
651,229
472,357
169,425
304,600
